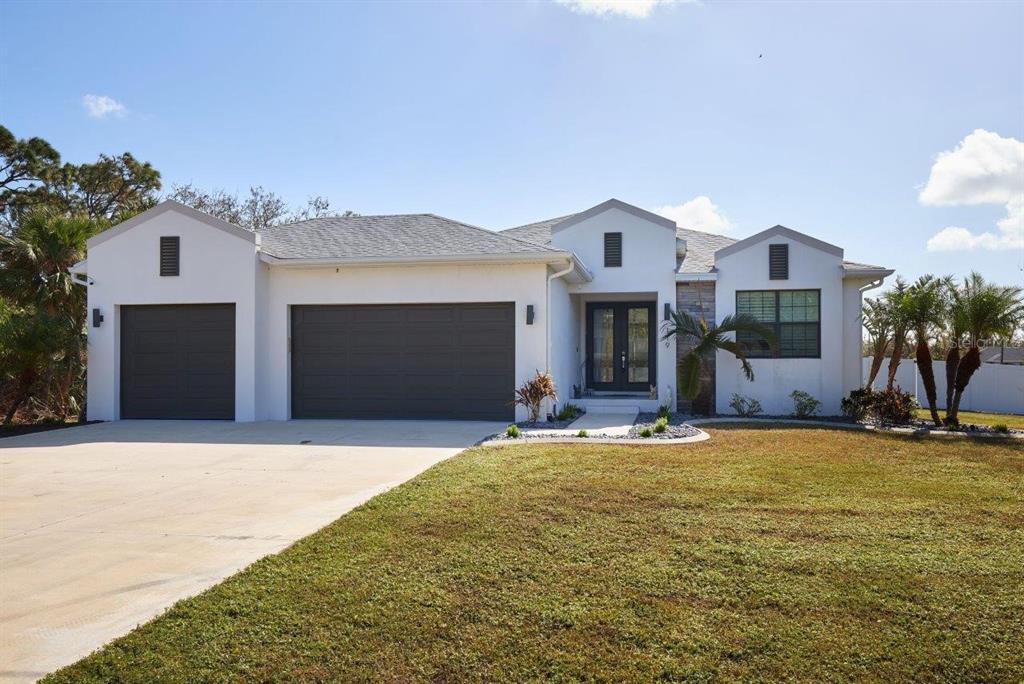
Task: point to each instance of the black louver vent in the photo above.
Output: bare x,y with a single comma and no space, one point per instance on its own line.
778,262
612,249
170,255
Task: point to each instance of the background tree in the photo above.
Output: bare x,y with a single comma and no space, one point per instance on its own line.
26,167
878,323
32,178
707,341
981,311
256,211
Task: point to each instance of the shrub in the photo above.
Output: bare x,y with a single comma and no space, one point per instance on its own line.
582,433
887,406
569,412
646,432
804,405
664,412
893,406
533,392
661,424
1001,427
745,406
512,431
858,405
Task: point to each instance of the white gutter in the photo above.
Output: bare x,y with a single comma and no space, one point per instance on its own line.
547,310
526,258
880,273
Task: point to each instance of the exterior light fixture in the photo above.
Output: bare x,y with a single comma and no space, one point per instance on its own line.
529,314
97,318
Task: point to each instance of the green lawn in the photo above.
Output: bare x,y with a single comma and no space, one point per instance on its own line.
806,554
978,418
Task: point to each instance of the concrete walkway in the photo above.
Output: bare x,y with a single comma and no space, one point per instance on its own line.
604,424
104,526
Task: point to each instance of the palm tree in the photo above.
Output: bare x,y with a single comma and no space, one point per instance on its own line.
897,308
980,310
878,323
35,281
708,340
922,309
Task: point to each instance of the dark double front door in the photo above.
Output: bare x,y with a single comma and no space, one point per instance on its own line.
621,339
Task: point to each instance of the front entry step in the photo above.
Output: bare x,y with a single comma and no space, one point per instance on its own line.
616,404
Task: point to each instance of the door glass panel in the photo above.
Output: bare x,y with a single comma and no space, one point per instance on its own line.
604,345
639,345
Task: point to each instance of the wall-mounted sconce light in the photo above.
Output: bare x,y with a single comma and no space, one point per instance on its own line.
668,311
97,318
529,314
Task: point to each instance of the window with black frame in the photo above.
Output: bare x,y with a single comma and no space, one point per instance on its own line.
793,315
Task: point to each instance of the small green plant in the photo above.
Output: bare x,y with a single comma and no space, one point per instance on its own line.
513,431
745,406
1001,427
661,424
804,405
583,433
646,432
664,412
569,412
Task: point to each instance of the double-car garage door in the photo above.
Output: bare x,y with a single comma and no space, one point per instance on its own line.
403,361
393,361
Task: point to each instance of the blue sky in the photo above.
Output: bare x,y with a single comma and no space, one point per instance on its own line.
826,117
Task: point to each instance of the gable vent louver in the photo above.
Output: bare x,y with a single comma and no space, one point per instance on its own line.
170,255
612,249
778,262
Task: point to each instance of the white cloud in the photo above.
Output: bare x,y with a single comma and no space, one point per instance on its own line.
101,106
985,168
700,213
634,9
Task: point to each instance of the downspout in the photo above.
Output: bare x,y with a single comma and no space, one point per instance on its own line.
547,313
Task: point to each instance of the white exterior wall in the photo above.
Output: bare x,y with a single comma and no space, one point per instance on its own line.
647,274
216,267
774,379
522,284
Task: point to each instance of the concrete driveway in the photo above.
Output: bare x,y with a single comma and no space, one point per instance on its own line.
102,527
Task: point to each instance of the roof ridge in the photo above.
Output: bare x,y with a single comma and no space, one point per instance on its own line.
357,216
526,243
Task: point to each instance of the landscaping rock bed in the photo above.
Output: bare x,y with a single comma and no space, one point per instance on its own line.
677,428
963,428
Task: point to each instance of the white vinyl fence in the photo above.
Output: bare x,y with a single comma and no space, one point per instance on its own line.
994,387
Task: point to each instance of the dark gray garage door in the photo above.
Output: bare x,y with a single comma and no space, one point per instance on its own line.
407,361
178,361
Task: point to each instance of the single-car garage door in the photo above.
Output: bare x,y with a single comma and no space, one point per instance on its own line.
404,361
178,361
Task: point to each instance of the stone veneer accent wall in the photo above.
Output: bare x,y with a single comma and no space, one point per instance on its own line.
698,300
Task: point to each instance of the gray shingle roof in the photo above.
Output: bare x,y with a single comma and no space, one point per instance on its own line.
393,236
700,246
857,265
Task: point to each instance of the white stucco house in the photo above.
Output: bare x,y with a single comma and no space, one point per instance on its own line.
419,316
